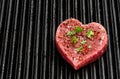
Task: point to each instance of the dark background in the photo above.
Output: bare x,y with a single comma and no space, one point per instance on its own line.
27,32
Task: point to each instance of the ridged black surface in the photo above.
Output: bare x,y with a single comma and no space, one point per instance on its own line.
27,32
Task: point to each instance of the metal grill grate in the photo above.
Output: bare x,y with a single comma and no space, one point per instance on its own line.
27,32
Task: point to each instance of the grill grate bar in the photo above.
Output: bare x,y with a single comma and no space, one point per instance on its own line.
60,18
68,8
20,42
1,17
115,36
28,41
52,37
1,13
50,75
84,11
76,7
10,59
1,6
37,38
6,40
45,32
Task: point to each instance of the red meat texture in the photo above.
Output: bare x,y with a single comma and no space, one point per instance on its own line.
92,48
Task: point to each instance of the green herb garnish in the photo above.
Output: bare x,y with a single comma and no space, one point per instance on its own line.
83,42
79,49
78,29
74,39
90,33
70,33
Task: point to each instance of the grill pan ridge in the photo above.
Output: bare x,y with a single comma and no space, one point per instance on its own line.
27,44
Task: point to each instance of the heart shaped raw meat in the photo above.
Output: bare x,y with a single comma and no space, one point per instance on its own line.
80,44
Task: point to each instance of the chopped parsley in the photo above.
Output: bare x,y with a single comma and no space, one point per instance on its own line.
90,33
83,42
79,49
70,33
74,39
78,29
